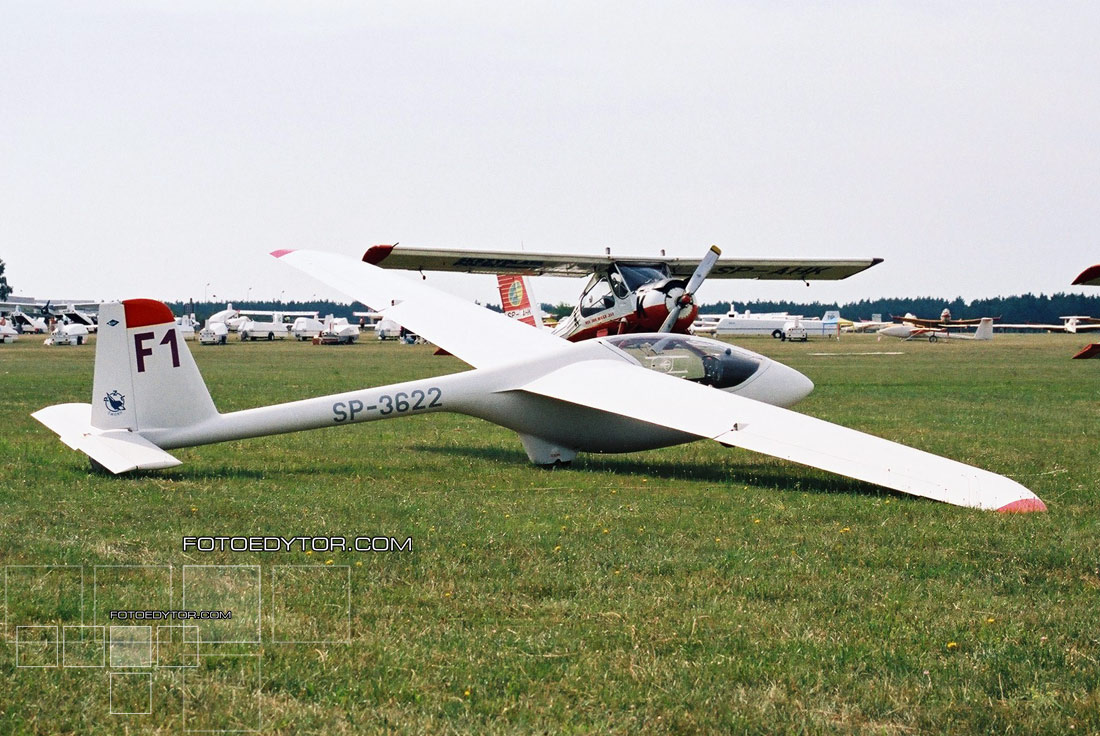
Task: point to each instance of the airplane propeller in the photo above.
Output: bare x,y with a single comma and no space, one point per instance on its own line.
685,300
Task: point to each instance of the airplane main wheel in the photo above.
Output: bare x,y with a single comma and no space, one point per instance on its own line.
271,336
777,334
932,338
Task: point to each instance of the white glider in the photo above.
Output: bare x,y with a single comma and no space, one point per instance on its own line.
615,394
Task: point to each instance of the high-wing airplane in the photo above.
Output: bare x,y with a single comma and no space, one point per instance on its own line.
934,333
943,322
615,394
624,294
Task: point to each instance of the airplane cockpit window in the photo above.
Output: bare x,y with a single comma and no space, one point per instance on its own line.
636,274
618,285
597,297
702,360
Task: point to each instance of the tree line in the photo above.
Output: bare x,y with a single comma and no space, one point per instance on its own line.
1023,308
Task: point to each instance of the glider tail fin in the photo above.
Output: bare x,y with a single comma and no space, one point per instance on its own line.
985,329
515,297
145,382
145,377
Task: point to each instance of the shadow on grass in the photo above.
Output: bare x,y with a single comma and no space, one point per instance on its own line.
795,478
762,475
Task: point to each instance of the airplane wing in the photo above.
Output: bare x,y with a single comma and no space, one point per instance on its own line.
917,321
1089,277
620,388
477,335
560,264
1047,328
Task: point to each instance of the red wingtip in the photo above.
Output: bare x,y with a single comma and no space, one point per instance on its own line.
376,254
1023,506
1090,275
282,252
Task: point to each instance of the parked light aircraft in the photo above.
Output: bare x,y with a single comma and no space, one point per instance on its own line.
515,299
34,315
624,294
614,394
1071,324
67,334
912,332
7,332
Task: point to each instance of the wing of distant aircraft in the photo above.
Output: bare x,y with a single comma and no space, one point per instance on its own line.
576,265
943,323
1089,277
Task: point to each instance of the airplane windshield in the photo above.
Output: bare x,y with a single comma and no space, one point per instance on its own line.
702,360
636,275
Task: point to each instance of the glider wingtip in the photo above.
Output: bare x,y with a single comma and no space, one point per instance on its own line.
1023,506
281,252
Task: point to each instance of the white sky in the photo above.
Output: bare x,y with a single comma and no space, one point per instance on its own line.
151,148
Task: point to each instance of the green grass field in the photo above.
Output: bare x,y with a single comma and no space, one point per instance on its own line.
691,589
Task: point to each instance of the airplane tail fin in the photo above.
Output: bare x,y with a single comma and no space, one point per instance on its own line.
145,380
985,329
515,297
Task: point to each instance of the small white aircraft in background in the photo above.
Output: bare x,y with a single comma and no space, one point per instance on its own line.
1071,324
616,394
67,334
214,333
933,334
7,332
34,315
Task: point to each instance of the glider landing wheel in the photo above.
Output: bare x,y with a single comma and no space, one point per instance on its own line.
557,465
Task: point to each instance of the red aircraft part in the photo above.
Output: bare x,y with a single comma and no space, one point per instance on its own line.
1089,351
651,322
1090,276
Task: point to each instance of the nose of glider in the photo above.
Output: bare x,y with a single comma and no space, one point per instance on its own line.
895,331
793,386
778,385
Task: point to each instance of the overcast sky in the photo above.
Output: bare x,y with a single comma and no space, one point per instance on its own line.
162,149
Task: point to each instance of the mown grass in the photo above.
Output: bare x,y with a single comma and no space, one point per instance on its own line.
691,589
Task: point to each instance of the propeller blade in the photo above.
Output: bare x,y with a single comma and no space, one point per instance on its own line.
693,284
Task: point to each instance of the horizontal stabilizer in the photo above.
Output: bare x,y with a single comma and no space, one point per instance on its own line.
117,450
